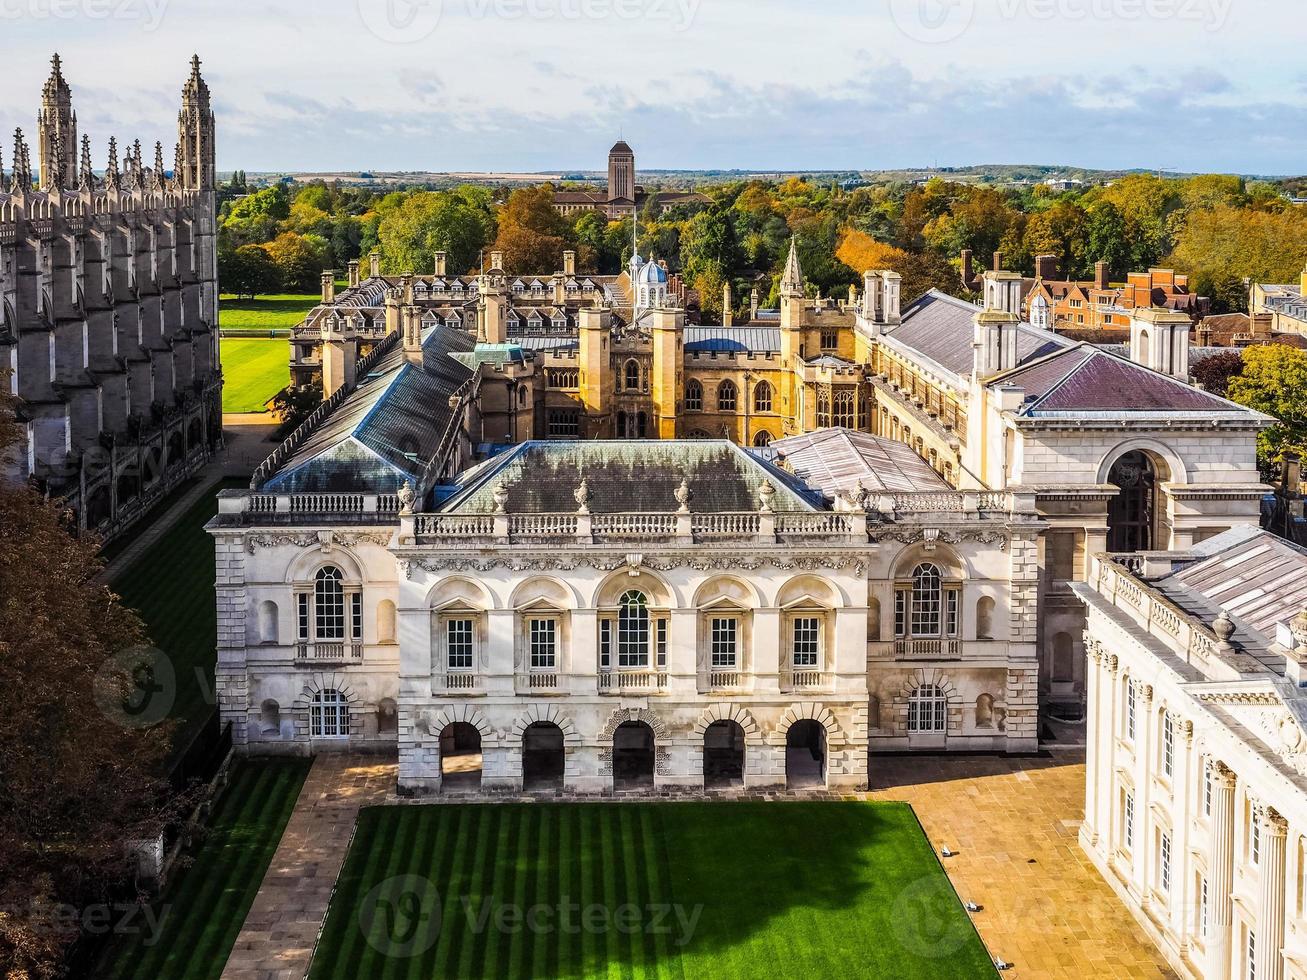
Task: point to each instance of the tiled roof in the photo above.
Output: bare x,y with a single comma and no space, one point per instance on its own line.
835,460
757,340
628,477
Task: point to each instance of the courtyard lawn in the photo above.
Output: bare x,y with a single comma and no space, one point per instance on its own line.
254,370
171,585
276,312
204,906
748,890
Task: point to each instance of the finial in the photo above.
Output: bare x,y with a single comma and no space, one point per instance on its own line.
55,63
583,495
766,494
683,496
85,175
500,495
406,498
1223,627
111,174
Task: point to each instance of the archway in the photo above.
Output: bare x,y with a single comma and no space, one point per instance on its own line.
723,754
1132,513
633,756
460,757
805,755
543,756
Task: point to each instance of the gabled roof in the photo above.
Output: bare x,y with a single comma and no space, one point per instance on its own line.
756,340
837,460
1085,378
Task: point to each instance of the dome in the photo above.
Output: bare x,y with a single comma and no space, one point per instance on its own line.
651,273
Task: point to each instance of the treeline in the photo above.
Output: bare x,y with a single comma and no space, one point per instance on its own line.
1220,230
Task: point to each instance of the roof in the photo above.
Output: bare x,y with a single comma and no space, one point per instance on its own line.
1258,578
1085,378
754,340
627,477
384,432
942,328
838,460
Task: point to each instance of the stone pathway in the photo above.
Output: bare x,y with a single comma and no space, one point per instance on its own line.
1014,824
276,942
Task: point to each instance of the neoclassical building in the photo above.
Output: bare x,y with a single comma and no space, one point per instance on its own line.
1196,789
109,311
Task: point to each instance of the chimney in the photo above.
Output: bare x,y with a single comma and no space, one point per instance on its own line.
753,303
328,285
497,260
559,285
441,260
569,263
412,320
1261,325
873,299
853,297
968,270
339,355
1159,339
374,264
1046,267
1003,292
998,262
728,306
995,342
353,273
1100,275
892,287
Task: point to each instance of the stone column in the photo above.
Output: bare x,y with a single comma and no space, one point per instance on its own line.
1182,801
1220,873
1270,913
1142,846
1109,692
1093,750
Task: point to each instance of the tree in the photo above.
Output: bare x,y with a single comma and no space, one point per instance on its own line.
1215,373
414,230
299,259
1222,247
1274,381
76,783
860,252
248,271
1105,237
532,234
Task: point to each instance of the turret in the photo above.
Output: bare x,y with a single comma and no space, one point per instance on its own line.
595,361
1159,339
56,129
196,130
492,307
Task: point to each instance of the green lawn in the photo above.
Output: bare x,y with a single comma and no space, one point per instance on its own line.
253,371
279,311
748,890
171,585
201,912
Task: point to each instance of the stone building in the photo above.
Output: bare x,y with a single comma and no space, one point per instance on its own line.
623,198
1196,784
109,311
1282,305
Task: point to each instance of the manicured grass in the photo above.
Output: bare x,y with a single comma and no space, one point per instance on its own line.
253,371
204,906
171,585
279,311
748,890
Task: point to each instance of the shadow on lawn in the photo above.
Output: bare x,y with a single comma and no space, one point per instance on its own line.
723,889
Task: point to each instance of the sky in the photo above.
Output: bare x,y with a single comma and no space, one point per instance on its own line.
548,85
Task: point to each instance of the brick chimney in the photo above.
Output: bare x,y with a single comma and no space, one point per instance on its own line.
1100,275
441,264
374,264
1046,267
569,263
968,269
328,285
998,262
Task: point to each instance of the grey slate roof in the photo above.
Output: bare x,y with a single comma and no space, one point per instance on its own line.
384,432
756,340
836,460
627,477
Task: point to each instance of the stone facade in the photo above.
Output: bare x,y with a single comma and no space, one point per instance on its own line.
109,311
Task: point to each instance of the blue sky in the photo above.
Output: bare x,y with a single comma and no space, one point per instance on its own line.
544,85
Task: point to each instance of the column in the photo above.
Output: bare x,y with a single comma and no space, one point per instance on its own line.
1109,692
1183,899
1270,914
1093,749
1145,725
1220,873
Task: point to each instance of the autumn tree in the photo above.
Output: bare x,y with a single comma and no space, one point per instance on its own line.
1221,248
532,234
413,231
299,259
1274,381
78,781
1215,373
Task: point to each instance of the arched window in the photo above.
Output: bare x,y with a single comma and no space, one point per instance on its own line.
1132,513
699,434
329,715
632,380
823,410
926,606
726,396
844,409
328,604
763,438
633,630
830,338
762,397
328,614
928,710
693,396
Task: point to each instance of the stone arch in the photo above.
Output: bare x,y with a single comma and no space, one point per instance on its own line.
931,675
437,721
327,682
953,565
729,712
544,590
305,565
1171,470
660,593
728,587
545,714
269,622
460,590
810,589
804,711
622,715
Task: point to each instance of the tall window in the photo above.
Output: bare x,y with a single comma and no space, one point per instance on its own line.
927,710
1202,907
823,409
1168,744
633,630
927,593
1128,821
564,423
328,715
1130,708
830,338
762,397
458,643
1207,790
1164,864
844,409
329,604
725,631
544,644
693,396
807,639
726,396
632,375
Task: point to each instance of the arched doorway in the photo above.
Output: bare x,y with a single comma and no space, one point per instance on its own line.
633,756
542,756
1132,513
723,754
460,757
805,755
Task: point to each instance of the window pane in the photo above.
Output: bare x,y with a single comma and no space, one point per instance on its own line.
458,635
926,601
543,649
807,630
329,605
723,642
633,631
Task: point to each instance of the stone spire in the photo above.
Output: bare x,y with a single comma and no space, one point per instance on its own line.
57,130
156,178
85,174
135,178
195,133
112,178
792,279
22,181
